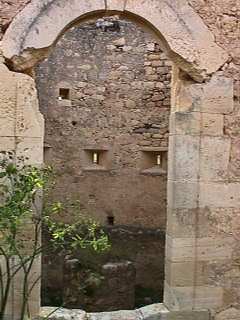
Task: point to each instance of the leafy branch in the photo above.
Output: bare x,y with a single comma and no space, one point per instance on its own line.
21,190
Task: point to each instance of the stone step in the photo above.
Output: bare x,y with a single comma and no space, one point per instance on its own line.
152,312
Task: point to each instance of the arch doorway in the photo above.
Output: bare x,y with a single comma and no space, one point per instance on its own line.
200,95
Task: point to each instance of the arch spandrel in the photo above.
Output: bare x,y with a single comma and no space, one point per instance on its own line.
186,39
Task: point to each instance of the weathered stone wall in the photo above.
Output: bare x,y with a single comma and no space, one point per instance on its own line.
21,131
220,16
223,19
119,103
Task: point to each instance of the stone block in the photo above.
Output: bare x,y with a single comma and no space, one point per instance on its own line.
115,315
185,123
219,195
15,296
214,158
199,273
218,95
118,277
29,120
188,315
64,314
30,150
117,5
202,249
229,314
215,96
187,298
179,249
7,144
187,95
180,274
182,194
181,222
210,221
20,115
212,124
153,312
183,159
7,102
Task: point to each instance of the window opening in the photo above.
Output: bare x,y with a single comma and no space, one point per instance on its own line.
111,220
64,94
159,160
95,157
153,161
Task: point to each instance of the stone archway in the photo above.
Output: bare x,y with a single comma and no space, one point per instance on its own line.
184,36
198,151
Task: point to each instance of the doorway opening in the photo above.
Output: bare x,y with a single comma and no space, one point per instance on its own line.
120,82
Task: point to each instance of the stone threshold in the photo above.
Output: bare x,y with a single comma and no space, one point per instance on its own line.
152,312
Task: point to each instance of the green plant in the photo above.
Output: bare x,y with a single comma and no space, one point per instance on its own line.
21,190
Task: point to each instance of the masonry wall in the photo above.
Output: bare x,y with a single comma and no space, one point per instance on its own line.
222,17
116,103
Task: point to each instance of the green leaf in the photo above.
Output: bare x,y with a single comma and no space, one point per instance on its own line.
2,174
11,169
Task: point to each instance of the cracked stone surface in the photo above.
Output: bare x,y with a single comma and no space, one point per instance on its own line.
184,36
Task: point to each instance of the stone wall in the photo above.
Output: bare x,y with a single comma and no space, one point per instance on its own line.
117,85
222,17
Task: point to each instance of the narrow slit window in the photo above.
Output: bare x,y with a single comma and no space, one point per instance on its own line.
159,160
95,157
64,94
